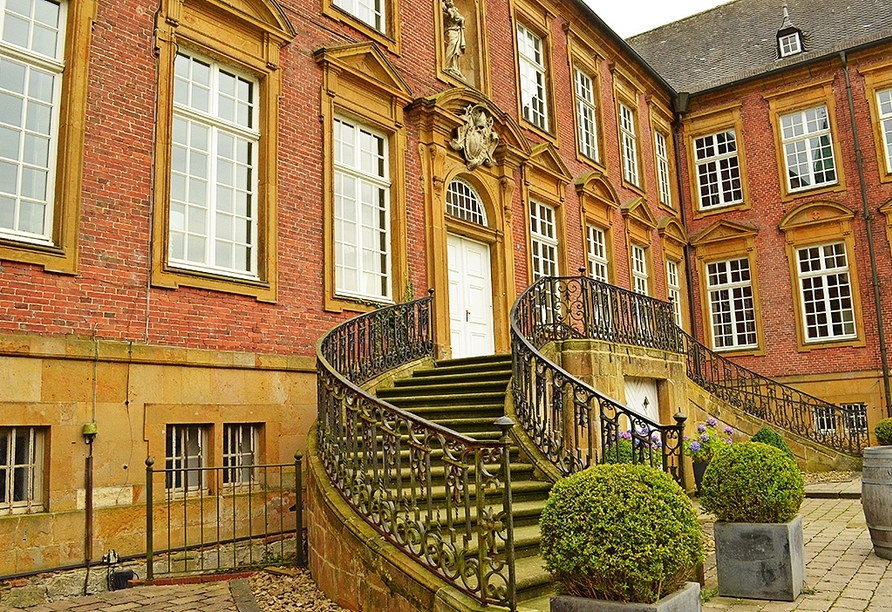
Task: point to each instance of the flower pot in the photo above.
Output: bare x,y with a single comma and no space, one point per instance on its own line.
699,469
686,599
876,498
760,560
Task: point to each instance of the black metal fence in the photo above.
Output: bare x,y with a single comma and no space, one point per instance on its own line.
209,519
573,424
442,498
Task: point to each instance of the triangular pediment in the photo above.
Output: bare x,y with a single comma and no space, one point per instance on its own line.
544,157
638,210
670,229
724,230
366,61
595,184
814,213
268,15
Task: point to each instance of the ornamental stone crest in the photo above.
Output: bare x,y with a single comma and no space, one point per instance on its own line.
476,138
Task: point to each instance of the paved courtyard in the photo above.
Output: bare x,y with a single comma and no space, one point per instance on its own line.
842,573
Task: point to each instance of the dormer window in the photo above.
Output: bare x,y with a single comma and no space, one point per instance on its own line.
789,44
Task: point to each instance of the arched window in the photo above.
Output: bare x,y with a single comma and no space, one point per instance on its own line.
463,202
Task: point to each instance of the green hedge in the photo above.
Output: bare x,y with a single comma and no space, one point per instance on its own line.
768,436
752,483
621,533
883,431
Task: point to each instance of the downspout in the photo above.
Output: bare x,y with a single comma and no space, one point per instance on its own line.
680,106
868,218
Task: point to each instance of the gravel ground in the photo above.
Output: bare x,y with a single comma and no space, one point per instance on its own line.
285,589
816,477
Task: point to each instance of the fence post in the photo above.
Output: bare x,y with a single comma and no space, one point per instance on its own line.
299,509
680,419
150,553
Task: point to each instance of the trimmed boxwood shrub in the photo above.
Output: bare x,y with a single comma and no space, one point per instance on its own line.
883,431
768,436
620,532
752,483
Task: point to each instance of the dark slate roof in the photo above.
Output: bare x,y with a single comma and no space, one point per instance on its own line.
738,40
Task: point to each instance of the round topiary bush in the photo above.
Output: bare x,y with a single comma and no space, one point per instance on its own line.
883,431
768,436
752,483
621,533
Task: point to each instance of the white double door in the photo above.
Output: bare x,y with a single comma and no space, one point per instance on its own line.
470,297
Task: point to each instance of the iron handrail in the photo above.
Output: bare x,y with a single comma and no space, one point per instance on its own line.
573,424
455,521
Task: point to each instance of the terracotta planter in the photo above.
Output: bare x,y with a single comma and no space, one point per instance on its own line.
760,560
876,498
686,599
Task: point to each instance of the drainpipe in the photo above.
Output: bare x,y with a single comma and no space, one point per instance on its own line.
680,106
868,218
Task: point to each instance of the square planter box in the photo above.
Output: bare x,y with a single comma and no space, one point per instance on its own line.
760,560
686,599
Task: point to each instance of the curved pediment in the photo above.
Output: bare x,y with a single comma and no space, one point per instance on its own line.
814,213
669,228
365,61
723,231
595,184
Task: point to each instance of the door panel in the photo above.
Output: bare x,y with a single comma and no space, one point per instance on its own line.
470,297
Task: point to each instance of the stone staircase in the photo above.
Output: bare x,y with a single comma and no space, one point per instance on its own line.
467,396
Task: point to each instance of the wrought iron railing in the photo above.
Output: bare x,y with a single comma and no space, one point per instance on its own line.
212,519
441,497
573,424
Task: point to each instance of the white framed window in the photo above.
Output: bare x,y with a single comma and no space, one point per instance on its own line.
32,41
731,305
826,292
543,240
856,417
662,152
21,469
185,457
586,115
884,106
674,290
596,243
531,62
628,144
640,275
718,170
367,11
362,211
462,201
808,148
213,169
789,44
240,444
825,420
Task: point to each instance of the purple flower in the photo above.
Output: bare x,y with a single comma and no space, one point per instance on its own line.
711,422
729,441
729,431
701,428
704,437
695,447
625,435
685,438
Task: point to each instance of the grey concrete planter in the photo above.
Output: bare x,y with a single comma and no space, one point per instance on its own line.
760,560
686,599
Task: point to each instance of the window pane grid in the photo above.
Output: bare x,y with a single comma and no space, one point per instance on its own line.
789,44
629,144
732,311
597,253
826,293
808,150
884,105
213,184
239,453
543,241
663,168
718,170
639,270
825,420
34,26
21,477
674,290
362,212
367,11
463,202
586,126
532,77
856,419
184,457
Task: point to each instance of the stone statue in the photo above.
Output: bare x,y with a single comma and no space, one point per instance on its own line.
454,25
476,137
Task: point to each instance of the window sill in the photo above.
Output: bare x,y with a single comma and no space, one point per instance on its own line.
172,278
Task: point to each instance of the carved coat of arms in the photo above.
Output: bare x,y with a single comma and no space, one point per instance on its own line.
476,138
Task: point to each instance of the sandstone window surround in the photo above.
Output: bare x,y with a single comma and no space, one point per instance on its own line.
673,239
640,225
378,20
824,280
545,179
534,65
628,142
586,115
241,452
598,202
596,248
661,154
364,206
640,271
44,56
543,241
21,469
673,290
216,52
878,86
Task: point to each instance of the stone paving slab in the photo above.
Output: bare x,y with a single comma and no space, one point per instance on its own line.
850,489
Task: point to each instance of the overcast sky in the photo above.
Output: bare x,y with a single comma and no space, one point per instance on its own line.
630,17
